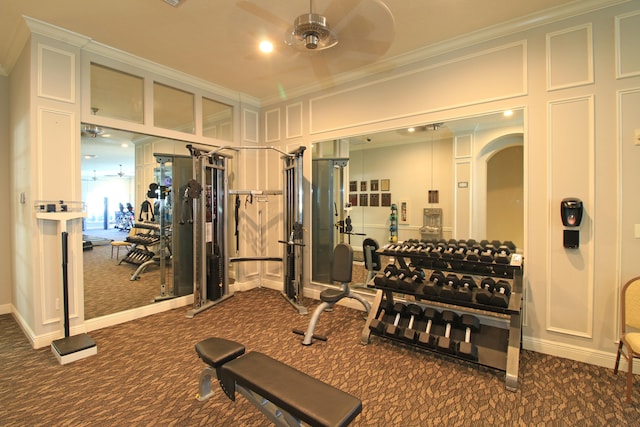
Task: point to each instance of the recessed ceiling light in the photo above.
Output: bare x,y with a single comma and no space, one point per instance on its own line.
507,113
266,46
124,145
411,130
90,156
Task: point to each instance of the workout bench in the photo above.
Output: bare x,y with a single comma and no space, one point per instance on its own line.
285,395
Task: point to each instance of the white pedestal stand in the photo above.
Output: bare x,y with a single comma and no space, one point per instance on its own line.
70,348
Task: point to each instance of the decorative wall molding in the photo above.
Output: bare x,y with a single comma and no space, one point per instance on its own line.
443,80
570,57
627,29
294,120
272,125
56,74
250,132
571,173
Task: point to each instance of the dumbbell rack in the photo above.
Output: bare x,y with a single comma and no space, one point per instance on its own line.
498,341
140,252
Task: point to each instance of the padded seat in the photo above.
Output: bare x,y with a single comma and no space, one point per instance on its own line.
122,243
312,401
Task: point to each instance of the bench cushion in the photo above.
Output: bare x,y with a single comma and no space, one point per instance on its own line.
217,351
312,401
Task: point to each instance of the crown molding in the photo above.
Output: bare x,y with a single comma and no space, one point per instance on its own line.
48,30
504,29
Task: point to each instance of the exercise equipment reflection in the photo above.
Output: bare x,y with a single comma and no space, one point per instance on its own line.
341,272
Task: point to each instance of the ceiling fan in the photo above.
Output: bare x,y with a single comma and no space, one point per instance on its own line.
92,131
119,174
94,177
336,36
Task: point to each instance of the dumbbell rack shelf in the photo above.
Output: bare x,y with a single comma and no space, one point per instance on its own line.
498,341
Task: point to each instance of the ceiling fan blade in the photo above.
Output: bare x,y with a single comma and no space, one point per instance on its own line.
338,10
321,68
369,28
262,13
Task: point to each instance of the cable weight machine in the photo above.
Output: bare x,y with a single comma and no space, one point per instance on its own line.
206,206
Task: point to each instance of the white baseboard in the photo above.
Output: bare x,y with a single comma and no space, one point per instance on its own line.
137,313
579,354
5,309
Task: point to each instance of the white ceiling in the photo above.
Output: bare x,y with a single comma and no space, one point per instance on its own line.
216,40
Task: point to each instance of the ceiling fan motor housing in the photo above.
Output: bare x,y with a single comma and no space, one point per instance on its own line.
312,28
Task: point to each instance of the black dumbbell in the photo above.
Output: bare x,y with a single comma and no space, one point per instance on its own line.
458,256
377,325
473,255
409,333
425,338
433,286
483,294
396,280
510,245
446,344
449,250
449,286
466,349
501,292
392,328
411,282
382,278
465,288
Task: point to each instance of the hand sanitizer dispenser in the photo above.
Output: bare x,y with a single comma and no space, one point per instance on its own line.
571,213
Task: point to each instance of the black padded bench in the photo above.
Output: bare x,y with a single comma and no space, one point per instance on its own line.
292,397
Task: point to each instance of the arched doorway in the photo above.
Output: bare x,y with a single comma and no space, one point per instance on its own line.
505,195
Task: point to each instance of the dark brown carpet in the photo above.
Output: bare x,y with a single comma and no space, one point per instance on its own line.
146,374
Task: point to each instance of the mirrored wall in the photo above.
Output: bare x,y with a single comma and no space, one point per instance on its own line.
458,179
131,185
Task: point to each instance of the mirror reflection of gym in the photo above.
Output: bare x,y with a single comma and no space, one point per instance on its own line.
469,170
129,233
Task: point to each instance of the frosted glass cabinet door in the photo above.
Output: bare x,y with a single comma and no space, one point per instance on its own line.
217,120
173,108
116,94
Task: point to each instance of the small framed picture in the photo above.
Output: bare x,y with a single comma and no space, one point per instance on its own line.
385,199
403,212
385,184
374,199
353,186
374,185
363,185
364,199
353,199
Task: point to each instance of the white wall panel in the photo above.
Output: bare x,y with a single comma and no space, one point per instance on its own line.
570,58
571,168
294,120
462,202
484,76
629,177
628,45
272,125
56,74
250,126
